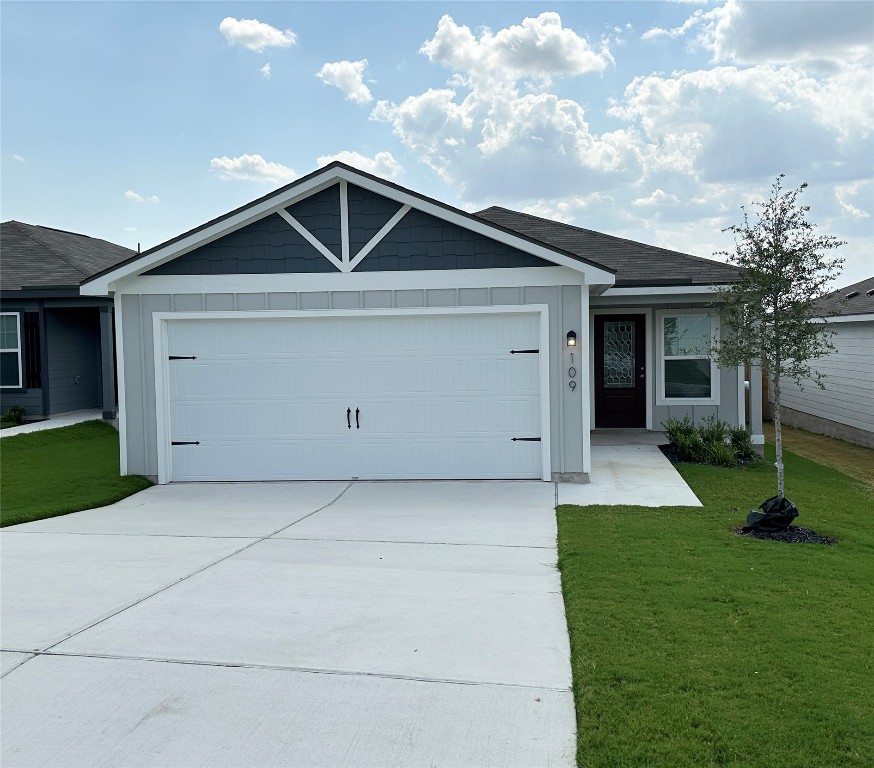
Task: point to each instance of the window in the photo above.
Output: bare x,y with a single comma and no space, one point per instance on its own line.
10,350
687,374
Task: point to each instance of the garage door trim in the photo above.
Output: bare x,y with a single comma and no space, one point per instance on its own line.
161,362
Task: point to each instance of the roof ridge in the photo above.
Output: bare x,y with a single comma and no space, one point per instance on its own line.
553,222
19,225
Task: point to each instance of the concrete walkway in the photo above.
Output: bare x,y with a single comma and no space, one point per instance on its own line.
299,624
53,422
638,475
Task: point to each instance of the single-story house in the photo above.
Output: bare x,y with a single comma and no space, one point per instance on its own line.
845,408
345,327
56,346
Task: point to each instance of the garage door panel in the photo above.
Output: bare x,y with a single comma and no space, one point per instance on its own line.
439,396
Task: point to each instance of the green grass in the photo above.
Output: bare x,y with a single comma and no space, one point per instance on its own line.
56,471
692,646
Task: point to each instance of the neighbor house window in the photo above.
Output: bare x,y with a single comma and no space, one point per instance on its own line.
10,350
687,372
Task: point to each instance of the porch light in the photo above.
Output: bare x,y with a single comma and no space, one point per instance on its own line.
571,339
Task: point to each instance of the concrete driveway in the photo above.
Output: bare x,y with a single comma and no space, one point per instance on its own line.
289,624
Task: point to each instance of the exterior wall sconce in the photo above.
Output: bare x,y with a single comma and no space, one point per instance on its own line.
571,339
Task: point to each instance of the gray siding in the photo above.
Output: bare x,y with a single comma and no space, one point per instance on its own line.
267,246
320,216
73,376
368,213
29,399
848,397
565,307
420,241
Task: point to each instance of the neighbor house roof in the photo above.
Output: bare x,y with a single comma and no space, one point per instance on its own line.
635,264
41,257
855,299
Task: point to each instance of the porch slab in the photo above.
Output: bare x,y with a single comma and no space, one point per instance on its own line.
637,475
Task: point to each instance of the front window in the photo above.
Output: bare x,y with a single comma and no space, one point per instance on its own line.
688,374
10,350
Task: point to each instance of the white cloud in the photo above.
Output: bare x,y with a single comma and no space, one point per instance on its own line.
348,76
255,35
844,192
265,71
658,198
538,48
252,168
130,229
138,198
19,159
381,164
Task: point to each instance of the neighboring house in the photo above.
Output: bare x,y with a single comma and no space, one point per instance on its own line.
56,347
845,408
344,327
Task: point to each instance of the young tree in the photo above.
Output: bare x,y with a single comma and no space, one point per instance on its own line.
766,317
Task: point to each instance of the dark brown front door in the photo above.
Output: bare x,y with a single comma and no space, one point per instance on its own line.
620,371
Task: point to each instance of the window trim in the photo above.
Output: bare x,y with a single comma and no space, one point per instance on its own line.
661,399
20,386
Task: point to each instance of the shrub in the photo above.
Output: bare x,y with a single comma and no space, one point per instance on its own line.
15,415
721,454
690,447
676,429
711,442
742,444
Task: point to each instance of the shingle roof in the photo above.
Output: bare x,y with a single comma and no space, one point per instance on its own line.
855,299
636,264
40,257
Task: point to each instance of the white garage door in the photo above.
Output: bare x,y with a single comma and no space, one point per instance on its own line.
365,397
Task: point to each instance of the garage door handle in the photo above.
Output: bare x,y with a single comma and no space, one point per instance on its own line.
349,418
357,425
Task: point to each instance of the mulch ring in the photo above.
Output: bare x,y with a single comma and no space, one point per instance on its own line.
795,535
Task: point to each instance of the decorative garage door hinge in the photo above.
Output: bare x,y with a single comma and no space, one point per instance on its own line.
526,439
524,351
185,442
183,357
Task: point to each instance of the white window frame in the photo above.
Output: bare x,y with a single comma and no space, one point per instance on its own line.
660,351
20,385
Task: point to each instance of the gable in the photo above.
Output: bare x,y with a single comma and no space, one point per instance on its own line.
418,241
343,215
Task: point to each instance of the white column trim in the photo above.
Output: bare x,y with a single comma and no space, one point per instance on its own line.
375,240
122,387
344,221
317,244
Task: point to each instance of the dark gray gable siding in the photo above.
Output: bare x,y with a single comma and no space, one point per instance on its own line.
368,213
267,246
420,242
320,215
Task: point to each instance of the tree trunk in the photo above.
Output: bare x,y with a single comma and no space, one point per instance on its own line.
778,434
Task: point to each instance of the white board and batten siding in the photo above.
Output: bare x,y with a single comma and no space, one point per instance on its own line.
377,396
848,397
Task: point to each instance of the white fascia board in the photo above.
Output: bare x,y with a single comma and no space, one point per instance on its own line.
865,318
594,275
103,285
352,281
663,290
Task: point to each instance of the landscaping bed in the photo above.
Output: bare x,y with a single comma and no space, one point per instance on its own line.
56,471
692,646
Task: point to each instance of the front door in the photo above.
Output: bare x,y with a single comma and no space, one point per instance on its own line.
620,371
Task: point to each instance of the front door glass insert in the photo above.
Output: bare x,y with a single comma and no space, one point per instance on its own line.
618,354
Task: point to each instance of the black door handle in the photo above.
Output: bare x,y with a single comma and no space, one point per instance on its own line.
357,425
349,418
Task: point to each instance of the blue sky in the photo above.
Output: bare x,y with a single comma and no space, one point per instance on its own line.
656,121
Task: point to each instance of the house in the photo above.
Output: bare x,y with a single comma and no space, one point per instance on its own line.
56,346
845,408
344,327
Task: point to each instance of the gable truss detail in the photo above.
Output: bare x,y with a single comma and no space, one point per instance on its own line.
345,263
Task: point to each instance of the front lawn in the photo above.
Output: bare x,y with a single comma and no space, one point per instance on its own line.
691,646
56,471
